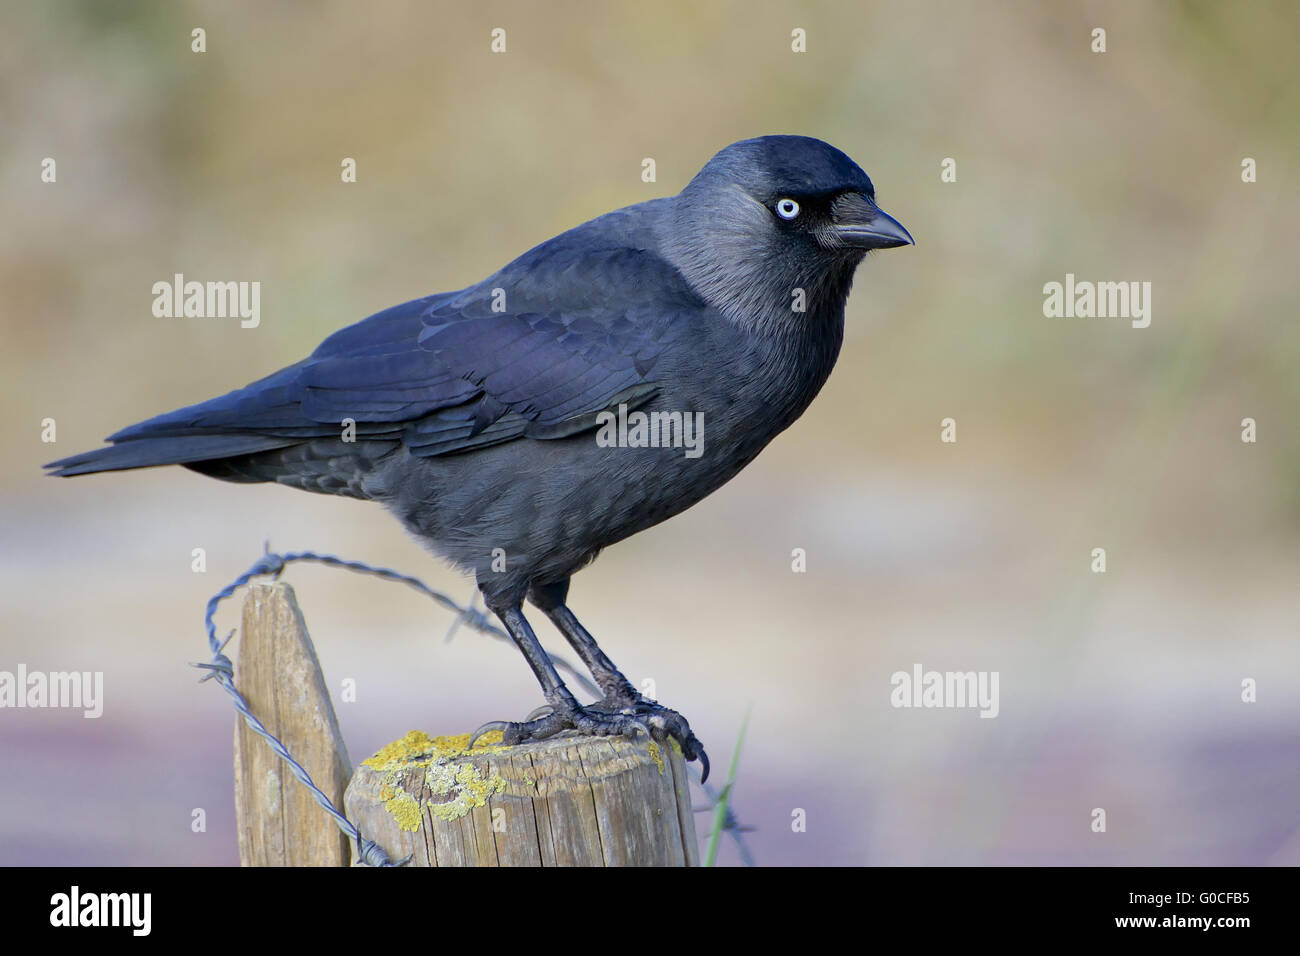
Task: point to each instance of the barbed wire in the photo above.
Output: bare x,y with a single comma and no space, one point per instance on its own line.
221,669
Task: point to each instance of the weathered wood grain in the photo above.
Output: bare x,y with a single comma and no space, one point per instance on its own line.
570,801
279,822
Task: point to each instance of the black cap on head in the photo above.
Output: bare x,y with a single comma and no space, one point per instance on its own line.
771,166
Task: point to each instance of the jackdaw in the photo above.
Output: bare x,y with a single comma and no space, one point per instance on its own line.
600,383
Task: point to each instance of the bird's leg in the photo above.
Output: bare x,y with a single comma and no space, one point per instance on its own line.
618,689
565,711
620,695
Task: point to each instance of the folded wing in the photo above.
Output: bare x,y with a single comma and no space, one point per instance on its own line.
534,352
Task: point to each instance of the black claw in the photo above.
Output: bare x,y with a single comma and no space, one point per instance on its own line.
639,719
501,725
664,723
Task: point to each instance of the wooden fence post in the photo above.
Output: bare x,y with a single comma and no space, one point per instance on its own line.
279,822
567,801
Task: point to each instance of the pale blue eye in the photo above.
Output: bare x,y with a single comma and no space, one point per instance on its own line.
787,208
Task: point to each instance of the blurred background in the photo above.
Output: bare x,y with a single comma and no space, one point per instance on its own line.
1119,690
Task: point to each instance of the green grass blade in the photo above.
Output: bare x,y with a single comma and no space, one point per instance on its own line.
724,798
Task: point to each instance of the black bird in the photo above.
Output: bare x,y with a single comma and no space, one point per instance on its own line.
481,418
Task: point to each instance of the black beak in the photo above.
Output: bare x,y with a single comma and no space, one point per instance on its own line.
857,222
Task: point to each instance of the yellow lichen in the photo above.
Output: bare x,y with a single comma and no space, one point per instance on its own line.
657,755
405,810
465,785
417,745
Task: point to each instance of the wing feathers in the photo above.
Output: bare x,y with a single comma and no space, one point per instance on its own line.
450,373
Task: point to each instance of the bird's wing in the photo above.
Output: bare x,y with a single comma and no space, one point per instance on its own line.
538,350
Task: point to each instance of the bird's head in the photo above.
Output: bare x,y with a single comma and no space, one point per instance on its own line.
768,214
796,190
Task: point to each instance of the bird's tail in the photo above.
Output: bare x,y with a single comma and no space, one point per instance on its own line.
259,417
147,451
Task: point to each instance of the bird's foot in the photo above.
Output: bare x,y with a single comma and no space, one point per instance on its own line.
612,717
663,722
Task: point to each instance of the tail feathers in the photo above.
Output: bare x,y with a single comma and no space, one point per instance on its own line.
146,452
